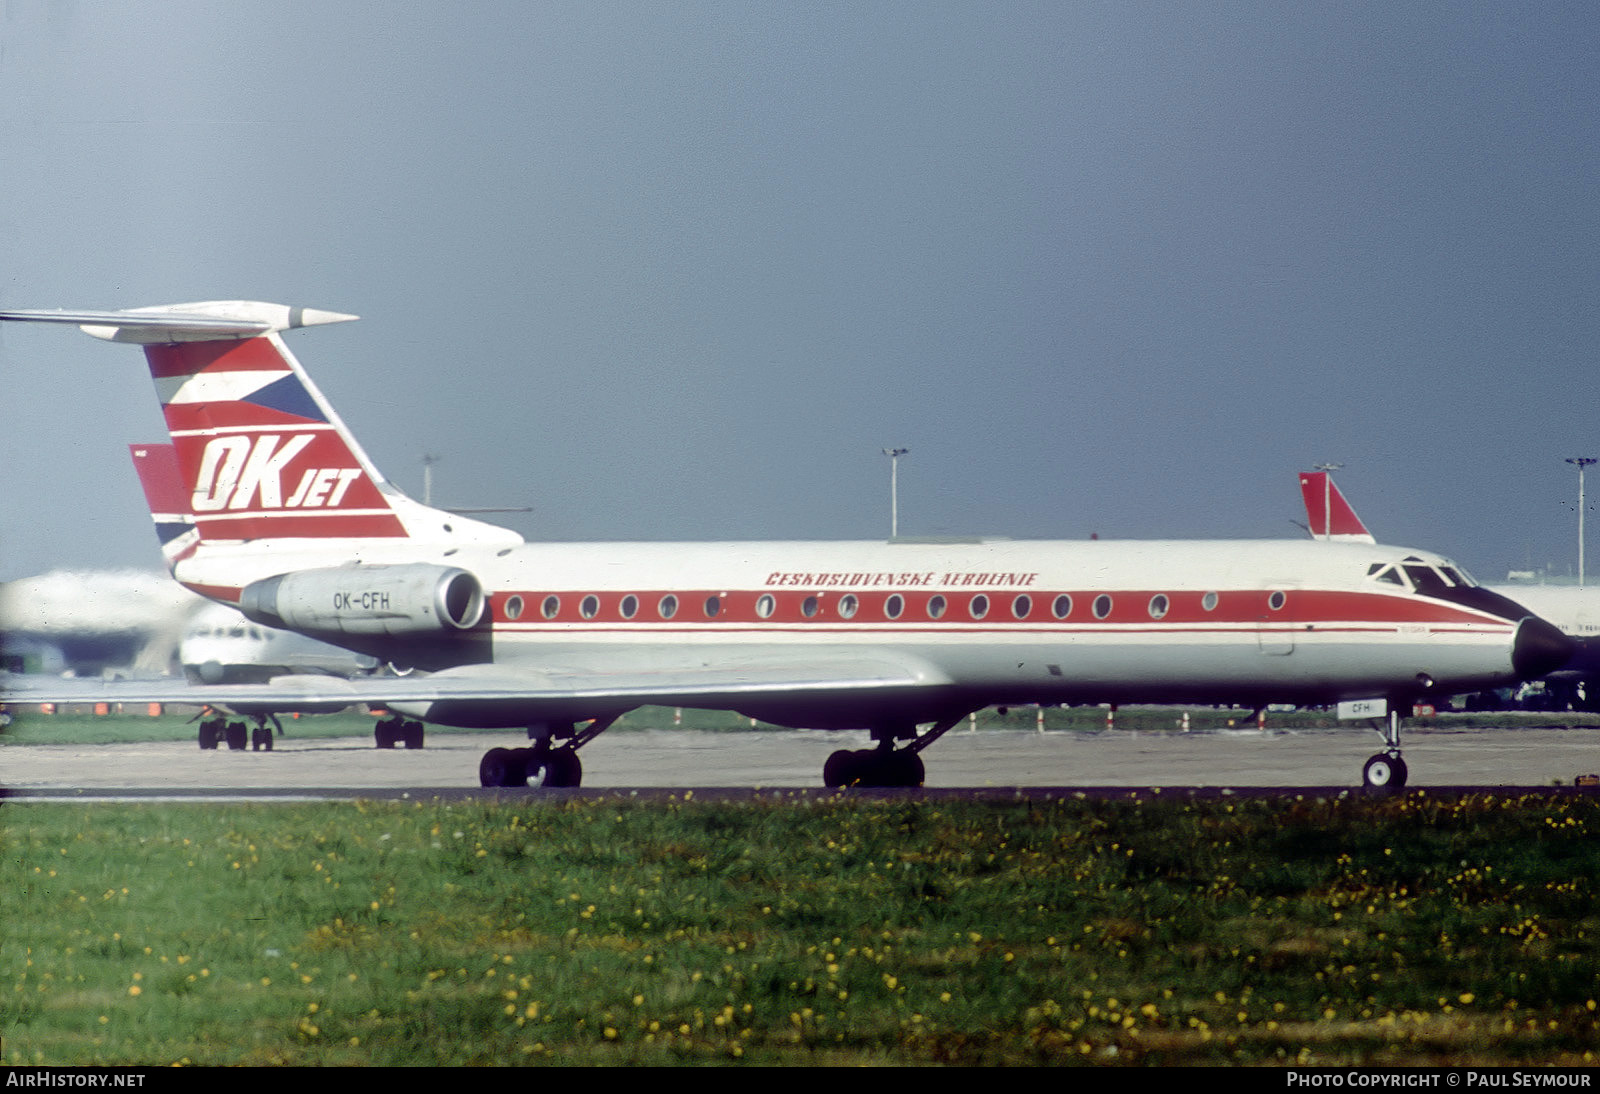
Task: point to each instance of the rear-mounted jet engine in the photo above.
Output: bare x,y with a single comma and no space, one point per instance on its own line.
413,599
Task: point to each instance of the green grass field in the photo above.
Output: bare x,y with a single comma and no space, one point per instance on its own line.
1409,930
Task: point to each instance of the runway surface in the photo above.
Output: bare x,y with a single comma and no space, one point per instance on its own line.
1321,759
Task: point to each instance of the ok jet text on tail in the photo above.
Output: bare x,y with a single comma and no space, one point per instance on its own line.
286,518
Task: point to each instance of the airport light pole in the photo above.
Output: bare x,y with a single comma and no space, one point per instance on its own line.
1581,462
894,455
1327,470
427,478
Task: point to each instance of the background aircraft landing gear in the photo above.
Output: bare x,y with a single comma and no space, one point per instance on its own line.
212,730
261,735
398,731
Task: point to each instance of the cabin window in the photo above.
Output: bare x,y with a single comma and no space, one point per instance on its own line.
629,606
551,607
936,606
1158,606
1062,606
713,606
1209,602
894,606
514,608
668,606
1021,606
1276,601
589,607
809,607
1102,606
978,607
848,605
765,605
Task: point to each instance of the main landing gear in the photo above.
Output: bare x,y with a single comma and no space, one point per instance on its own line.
546,763
217,730
885,765
881,766
1387,769
396,730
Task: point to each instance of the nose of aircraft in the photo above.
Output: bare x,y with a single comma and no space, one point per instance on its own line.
1539,649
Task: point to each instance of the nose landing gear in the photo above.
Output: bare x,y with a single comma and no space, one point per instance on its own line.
1387,770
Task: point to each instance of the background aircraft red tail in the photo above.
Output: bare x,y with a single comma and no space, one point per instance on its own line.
1328,514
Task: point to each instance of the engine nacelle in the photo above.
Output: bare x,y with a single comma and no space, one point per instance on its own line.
411,599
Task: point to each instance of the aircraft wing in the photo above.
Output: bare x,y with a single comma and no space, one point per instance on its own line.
595,679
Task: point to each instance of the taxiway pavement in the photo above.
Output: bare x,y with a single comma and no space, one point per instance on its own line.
775,759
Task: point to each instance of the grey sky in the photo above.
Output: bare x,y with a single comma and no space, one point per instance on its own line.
680,271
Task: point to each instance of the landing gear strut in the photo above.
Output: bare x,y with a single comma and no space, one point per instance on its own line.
885,765
1387,770
545,763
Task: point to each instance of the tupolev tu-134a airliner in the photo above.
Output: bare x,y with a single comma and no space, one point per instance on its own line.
289,521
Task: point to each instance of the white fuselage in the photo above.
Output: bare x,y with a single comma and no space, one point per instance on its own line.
992,621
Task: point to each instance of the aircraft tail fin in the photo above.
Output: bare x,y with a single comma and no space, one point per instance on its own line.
260,453
162,480
1329,515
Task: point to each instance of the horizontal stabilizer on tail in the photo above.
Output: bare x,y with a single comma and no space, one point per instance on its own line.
208,321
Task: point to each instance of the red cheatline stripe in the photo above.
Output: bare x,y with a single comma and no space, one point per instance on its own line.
229,593
1302,609
306,524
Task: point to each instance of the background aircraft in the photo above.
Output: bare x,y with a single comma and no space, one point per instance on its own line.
122,622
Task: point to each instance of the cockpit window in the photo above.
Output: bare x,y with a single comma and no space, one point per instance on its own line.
1428,581
1380,572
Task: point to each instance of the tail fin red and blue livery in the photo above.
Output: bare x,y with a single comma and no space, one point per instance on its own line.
159,475
264,455
1329,515
260,454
